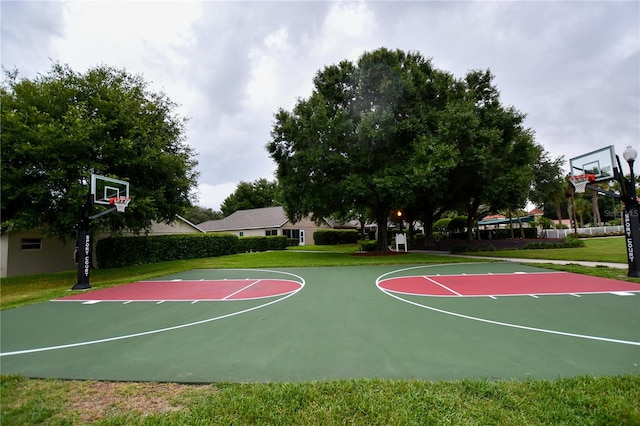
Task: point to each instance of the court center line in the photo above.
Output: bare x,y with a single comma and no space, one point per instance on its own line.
243,288
441,285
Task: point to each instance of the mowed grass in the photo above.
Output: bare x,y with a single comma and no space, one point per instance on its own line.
579,400
572,401
606,249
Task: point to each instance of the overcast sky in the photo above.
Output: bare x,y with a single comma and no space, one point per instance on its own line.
572,67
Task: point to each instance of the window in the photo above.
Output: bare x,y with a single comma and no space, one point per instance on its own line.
31,244
271,232
241,234
291,233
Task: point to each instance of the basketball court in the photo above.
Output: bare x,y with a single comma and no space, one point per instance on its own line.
439,322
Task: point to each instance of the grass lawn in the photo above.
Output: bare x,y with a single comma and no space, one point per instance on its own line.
609,249
579,400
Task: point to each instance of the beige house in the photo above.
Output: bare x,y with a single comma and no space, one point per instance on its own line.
28,252
268,221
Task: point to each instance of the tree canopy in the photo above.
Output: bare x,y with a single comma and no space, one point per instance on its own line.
59,128
197,214
251,195
391,132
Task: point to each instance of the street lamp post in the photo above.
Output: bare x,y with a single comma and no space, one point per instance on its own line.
630,217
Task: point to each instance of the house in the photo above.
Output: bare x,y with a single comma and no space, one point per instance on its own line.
28,252
267,221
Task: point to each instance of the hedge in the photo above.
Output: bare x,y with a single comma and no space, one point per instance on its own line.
327,237
116,252
251,244
569,242
368,245
497,234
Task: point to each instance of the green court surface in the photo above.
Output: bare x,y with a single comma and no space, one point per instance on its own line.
339,325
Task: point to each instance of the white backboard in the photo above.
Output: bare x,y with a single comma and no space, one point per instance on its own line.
104,188
601,163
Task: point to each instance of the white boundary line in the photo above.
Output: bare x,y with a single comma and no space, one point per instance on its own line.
162,330
503,324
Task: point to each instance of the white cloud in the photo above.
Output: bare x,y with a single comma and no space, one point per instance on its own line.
212,196
572,67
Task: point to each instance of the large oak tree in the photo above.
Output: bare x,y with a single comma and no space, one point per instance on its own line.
60,127
349,146
393,132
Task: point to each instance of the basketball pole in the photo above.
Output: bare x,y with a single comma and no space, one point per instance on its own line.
83,246
631,212
83,242
630,217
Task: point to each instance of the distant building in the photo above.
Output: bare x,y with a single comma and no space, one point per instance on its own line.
29,252
267,221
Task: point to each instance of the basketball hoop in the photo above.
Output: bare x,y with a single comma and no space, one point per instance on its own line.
580,182
121,203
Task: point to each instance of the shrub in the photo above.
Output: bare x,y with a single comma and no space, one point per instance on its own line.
457,224
115,252
569,242
326,237
441,225
463,248
251,244
257,243
418,240
367,245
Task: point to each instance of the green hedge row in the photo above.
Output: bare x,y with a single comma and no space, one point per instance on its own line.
116,252
569,242
329,237
251,244
497,234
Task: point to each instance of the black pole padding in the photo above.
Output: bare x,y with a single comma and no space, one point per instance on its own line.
83,247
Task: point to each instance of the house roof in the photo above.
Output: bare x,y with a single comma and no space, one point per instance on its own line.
268,217
190,223
503,220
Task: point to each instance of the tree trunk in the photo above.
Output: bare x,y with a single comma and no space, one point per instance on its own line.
513,237
597,220
428,234
363,222
428,228
559,213
520,225
472,211
381,220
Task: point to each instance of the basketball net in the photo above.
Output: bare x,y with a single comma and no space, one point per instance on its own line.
580,182
121,203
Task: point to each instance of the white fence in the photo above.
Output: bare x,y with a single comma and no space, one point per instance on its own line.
595,231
